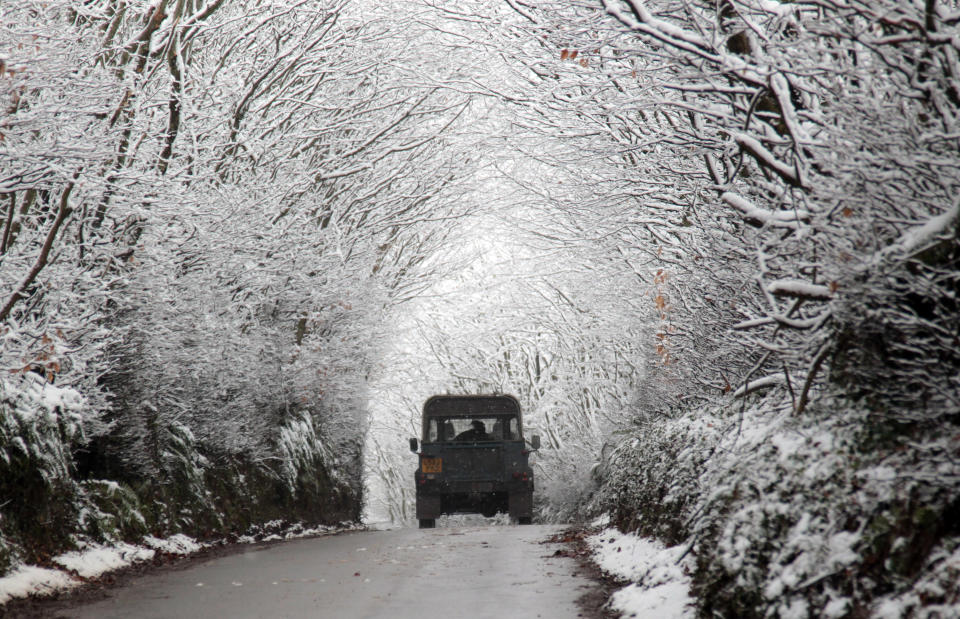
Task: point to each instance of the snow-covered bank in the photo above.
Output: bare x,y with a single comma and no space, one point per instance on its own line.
94,560
91,561
51,501
659,576
818,515
28,580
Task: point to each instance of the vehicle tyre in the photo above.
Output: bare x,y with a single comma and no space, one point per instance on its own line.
525,520
428,523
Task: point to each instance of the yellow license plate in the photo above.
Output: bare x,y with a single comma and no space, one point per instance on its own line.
431,465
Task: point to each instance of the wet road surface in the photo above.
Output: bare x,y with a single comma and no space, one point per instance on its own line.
498,572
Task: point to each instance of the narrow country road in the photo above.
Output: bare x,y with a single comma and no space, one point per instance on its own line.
479,571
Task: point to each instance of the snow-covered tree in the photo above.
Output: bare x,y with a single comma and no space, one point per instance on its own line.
207,209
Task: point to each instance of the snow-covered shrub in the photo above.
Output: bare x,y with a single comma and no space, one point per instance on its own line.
111,512
935,593
898,344
39,425
825,514
560,491
300,450
189,503
310,472
652,477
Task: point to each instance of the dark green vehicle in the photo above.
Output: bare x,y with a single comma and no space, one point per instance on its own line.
473,459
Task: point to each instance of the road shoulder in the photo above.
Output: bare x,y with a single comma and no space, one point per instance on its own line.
594,601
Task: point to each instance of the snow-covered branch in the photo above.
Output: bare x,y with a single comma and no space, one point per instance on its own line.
800,289
761,217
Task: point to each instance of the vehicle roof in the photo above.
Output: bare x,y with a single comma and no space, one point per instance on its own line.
479,405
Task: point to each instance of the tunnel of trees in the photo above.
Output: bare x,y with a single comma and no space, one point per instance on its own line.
712,246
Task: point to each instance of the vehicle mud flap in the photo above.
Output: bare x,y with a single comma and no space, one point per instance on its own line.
521,505
428,507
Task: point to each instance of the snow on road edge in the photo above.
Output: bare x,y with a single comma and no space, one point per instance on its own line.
29,580
659,576
93,560
90,561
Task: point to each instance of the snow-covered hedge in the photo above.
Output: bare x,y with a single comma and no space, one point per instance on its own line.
39,500
46,507
834,513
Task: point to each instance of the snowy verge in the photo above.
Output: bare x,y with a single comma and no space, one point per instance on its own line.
659,575
280,530
28,580
90,561
93,560
838,512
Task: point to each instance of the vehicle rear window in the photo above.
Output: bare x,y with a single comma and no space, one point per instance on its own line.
471,429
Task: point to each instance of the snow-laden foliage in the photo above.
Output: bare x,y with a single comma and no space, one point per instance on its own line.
39,424
782,178
809,148
205,209
112,511
834,513
46,507
235,226
564,360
